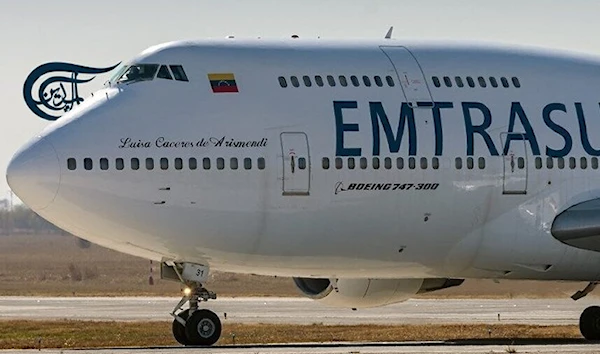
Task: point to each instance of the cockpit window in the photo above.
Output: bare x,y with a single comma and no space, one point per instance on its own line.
138,72
179,73
163,73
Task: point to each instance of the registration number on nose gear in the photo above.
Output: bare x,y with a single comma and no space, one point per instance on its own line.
195,272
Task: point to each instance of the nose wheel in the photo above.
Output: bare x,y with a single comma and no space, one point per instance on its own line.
196,326
589,323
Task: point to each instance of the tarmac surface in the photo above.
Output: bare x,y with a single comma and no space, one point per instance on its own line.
302,311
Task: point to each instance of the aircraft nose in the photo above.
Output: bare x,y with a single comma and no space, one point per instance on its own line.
33,174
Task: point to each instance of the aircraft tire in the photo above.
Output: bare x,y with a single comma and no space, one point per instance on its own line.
589,323
179,329
203,327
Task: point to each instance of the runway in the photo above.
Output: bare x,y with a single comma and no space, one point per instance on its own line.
302,311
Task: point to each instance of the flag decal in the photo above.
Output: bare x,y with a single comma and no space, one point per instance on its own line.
222,82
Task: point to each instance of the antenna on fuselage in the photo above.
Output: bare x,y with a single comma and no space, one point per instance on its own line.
388,35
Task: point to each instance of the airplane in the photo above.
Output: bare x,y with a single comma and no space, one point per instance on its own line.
369,171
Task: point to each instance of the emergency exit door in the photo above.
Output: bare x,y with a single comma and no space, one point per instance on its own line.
514,156
410,76
296,164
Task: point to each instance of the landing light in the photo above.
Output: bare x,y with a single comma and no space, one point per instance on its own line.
187,291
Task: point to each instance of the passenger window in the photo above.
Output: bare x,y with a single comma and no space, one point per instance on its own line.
339,163
583,163
351,163
261,163
367,81
560,163
595,163
423,163
164,163
363,163
459,81
572,163
436,81
375,163
193,163
354,80
516,82
411,163
302,163
179,73
343,80
206,163
470,163
504,82
331,80
470,81
295,81
119,164
400,163
149,163
390,81
325,163
319,81
87,163
482,82
538,162
549,163
493,81
387,163
178,163
521,163
233,163
458,163
282,82
163,73
220,163
435,163
104,163
247,163
447,81
71,164
378,81
135,163
481,163
307,81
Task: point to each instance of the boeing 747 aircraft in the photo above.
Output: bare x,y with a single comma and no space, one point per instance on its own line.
370,171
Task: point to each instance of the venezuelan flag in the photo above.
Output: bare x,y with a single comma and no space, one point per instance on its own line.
222,82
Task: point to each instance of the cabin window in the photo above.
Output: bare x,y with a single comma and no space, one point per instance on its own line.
387,163
436,81
493,81
459,81
470,81
363,163
119,163
481,163
470,163
220,163
504,82
71,164
302,163
400,163
549,163
282,82
572,163
178,73
87,163
355,81
178,163
538,162
447,81
295,81
261,163
595,163
138,72
193,163
343,80
411,163
247,163
351,163
560,162
583,163
435,163
516,83
339,163
164,163
423,163
378,81
233,163
325,163
458,163
376,163
481,81
149,163
135,163
163,73
307,81
521,163
319,81
206,163
104,163
331,80
390,81
366,81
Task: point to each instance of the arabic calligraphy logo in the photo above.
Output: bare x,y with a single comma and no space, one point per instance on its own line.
57,94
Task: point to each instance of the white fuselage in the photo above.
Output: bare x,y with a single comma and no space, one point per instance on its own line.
464,188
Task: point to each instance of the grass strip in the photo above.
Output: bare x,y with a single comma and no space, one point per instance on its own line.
91,334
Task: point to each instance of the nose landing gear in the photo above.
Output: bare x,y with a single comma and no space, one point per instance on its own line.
589,321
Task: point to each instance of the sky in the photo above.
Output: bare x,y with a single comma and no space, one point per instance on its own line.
103,33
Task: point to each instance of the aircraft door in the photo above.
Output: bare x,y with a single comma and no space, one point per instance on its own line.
410,75
296,164
514,163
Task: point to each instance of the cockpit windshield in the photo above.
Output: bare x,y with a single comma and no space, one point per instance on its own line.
138,72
